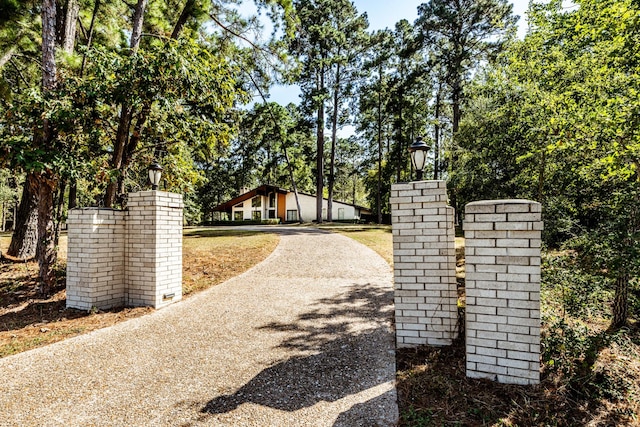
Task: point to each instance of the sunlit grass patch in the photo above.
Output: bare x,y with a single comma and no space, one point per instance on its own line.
29,320
378,238
213,256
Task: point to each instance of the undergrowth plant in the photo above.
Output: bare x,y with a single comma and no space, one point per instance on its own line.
578,350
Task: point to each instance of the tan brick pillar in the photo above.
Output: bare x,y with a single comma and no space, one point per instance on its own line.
502,252
153,258
95,258
424,264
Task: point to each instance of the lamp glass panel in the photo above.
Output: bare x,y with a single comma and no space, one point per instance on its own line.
154,176
419,158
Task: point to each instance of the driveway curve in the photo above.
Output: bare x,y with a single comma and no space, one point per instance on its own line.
303,339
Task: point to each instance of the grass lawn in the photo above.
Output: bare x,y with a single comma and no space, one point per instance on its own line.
377,237
27,320
212,256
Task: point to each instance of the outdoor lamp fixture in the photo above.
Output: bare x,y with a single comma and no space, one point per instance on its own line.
418,152
155,172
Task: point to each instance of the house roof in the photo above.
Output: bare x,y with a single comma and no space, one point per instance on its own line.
263,190
364,209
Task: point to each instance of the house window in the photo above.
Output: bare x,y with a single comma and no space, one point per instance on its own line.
257,215
256,202
272,213
237,216
292,215
272,200
340,213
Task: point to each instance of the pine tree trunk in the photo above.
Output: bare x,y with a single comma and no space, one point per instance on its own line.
126,112
187,11
320,150
334,142
46,181
621,301
122,136
456,95
25,235
96,6
69,31
59,204
48,44
379,189
436,147
138,20
73,194
47,255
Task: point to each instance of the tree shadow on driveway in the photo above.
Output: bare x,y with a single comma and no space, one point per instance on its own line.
341,346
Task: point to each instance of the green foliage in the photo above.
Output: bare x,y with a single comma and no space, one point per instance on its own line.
190,91
267,131
579,293
8,186
8,8
555,121
328,42
576,302
392,109
417,418
572,350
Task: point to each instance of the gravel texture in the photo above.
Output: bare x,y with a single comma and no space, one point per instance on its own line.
302,339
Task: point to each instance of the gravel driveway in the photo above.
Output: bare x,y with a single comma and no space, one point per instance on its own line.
303,339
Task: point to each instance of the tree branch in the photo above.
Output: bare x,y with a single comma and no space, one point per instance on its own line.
7,56
240,36
19,72
186,12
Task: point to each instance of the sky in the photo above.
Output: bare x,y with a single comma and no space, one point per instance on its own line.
384,14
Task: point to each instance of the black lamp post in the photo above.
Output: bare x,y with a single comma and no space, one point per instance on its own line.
155,172
418,152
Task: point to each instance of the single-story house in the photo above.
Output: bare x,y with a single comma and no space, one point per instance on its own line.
271,202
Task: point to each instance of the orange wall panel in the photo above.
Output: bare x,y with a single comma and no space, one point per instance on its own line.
282,207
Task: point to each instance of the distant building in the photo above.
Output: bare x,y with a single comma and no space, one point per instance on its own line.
271,202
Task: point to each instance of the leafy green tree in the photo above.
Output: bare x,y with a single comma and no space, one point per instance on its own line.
350,41
393,108
592,77
8,196
498,157
409,87
461,34
557,122
325,43
21,27
350,161
274,147
181,112
373,123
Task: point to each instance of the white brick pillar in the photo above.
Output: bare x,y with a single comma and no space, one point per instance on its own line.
424,264
502,252
153,259
95,260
